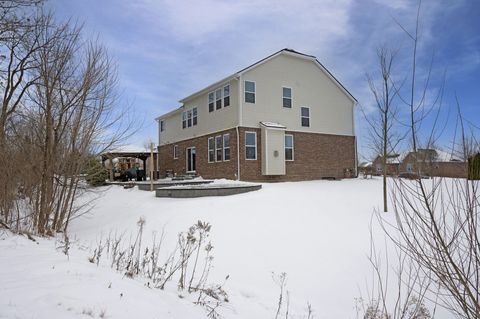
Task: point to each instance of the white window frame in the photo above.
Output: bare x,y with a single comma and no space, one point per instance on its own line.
309,116
212,139
225,96
284,97
245,91
292,148
250,159
184,120
218,148
194,116
409,167
219,98
175,151
225,148
213,101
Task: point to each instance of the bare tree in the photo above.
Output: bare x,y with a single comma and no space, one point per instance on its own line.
436,225
381,121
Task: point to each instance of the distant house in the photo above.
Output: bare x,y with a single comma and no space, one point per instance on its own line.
393,165
433,162
283,118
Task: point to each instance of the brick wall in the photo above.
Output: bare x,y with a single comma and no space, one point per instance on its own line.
315,156
222,169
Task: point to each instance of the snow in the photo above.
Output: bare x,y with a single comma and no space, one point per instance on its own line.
39,282
316,231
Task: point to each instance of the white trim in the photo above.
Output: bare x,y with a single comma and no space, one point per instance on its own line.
309,116
293,147
229,95
248,127
245,91
186,159
291,97
208,149
221,148
175,151
265,160
256,148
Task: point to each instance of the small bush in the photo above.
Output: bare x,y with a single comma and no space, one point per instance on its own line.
96,174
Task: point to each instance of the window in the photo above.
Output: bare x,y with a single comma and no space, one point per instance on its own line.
288,147
287,97
211,150
189,118
175,151
379,168
249,92
250,145
211,98
194,112
218,148
409,167
226,147
305,115
162,126
218,99
226,95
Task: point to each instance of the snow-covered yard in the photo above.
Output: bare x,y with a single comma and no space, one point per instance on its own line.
317,232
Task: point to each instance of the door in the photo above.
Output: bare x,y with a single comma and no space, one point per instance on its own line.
191,154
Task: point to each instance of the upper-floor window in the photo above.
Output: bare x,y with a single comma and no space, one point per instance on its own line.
162,125
288,147
211,150
194,116
305,116
250,145
218,99
287,97
189,118
249,92
226,147
226,95
211,98
218,148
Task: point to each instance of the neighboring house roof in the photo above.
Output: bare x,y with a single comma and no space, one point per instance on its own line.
365,164
433,155
256,64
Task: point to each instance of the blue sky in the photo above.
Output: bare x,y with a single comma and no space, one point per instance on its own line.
167,49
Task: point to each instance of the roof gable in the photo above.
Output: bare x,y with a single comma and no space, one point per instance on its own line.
285,51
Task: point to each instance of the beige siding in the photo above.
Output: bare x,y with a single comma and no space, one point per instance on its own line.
331,111
208,122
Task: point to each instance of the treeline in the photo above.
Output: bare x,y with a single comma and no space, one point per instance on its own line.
59,109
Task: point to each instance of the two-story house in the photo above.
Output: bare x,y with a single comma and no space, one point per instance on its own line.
283,118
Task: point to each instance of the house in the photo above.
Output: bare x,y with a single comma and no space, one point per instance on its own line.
434,162
286,117
393,165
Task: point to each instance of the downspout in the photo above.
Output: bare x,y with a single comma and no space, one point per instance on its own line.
355,136
239,79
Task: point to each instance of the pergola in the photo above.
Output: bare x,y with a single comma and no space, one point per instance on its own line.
143,155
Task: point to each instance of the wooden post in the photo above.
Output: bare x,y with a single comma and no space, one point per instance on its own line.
151,167
111,169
